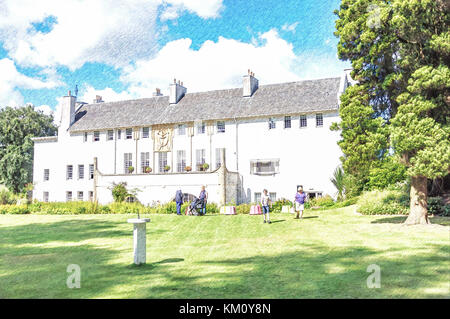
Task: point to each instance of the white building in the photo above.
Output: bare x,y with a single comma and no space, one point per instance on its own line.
274,136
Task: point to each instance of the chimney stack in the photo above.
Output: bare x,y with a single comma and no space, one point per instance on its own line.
176,91
250,84
98,99
67,113
158,92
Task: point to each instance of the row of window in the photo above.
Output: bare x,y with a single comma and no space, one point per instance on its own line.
69,196
302,123
163,162
69,172
128,133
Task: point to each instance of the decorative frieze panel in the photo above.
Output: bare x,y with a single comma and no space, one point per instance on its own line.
162,136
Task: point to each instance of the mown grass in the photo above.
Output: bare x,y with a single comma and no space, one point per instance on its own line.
325,255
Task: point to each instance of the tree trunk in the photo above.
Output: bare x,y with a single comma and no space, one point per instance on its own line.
418,204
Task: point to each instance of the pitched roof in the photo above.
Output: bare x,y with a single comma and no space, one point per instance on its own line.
268,100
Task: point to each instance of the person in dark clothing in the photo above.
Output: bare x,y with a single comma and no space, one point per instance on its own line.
204,197
179,200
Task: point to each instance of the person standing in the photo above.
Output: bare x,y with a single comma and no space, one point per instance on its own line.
179,200
300,199
265,202
204,197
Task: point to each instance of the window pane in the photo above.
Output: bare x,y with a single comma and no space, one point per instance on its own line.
80,171
85,136
145,161
129,133
162,159
319,120
110,135
68,196
181,129
91,171
69,173
80,196
272,124
303,121
273,197
181,160
257,198
96,136
201,128
46,174
220,126
287,122
119,134
45,196
145,132
200,159
128,161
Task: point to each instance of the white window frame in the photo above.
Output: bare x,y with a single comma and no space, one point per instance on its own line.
181,160
200,159
162,161
219,127
129,134
127,161
46,174
272,123
145,132
119,134
91,171
257,197
69,172
145,161
218,157
45,197
319,120
80,171
85,137
303,120
201,128
181,129
287,119
265,166
96,136
69,198
110,135
80,198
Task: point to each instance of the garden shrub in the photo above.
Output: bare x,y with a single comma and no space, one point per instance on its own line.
120,192
7,197
383,202
243,208
14,209
436,206
278,205
388,172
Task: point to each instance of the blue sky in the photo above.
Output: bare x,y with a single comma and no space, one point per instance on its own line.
123,51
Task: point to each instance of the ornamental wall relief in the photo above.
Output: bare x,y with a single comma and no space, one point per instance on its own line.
162,136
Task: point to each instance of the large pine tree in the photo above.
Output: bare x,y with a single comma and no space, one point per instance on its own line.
400,54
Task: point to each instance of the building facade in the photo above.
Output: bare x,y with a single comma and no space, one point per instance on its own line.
273,137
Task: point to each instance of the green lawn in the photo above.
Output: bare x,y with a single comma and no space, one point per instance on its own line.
325,255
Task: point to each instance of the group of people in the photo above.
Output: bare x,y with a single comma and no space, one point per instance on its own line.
299,204
202,199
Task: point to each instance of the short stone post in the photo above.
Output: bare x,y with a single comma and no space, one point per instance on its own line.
139,239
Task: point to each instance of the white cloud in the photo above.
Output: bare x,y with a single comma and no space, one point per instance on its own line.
203,8
289,27
11,79
221,64
106,31
107,94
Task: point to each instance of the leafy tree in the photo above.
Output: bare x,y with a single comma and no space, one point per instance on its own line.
17,127
387,172
400,53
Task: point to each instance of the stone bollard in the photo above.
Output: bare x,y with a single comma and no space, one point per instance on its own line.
139,239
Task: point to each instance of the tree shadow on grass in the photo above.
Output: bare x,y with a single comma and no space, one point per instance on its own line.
309,271
438,220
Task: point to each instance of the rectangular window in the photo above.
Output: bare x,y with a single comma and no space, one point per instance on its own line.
85,136
201,128
182,129
96,136
181,161
220,127
91,195
319,120
218,158
46,174
129,133
273,197
69,172
287,122
145,161
91,171
200,159
80,195
303,121
162,161
119,134
68,196
264,167
45,197
145,132
257,198
80,171
127,161
272,124
110,135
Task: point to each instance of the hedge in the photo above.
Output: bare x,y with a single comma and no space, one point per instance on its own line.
383,202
